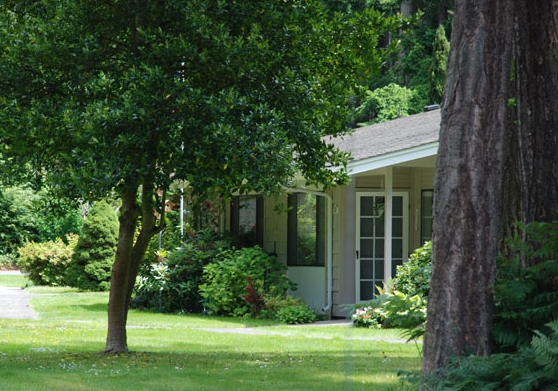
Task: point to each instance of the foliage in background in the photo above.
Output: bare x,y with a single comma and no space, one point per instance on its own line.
531,368
46,263
384,104
224,282
93,256
526,297
438,66
33,215
169,280
413,277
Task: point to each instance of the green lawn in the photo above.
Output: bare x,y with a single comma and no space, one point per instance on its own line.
61,351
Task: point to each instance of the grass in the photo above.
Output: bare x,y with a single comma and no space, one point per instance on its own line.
61,351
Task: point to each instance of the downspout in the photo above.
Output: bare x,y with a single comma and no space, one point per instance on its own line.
329,258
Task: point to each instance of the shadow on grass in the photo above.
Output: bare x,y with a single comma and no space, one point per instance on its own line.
209,370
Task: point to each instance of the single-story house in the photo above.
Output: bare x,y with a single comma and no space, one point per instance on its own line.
340,244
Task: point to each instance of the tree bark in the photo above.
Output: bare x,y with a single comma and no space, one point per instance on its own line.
533,171
468,182
118,301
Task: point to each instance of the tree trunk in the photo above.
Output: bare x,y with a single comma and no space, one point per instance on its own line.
468,182
118,300
533,172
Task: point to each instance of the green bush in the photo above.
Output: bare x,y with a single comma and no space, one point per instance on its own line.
384,104
393,310
169,282
94,254
296,314
8,261
402,305
286,309
413,277
46,263
225,281
526,297
532,368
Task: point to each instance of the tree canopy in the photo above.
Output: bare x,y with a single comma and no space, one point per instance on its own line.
128,96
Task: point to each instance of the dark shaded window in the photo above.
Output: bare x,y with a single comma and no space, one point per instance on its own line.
306,236
426,199
247,220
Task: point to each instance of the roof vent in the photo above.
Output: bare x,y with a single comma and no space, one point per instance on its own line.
431,107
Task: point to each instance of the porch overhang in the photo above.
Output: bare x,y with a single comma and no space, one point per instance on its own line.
391,159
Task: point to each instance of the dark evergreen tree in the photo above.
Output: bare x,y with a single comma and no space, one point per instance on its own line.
94,252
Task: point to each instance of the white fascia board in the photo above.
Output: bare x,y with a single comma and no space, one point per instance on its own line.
392,158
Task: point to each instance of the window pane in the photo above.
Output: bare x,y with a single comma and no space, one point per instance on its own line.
397,248
379,225
367,290
367,206
379,248
366,226
426,215
398,206
367,269
379,271
397,227
366,248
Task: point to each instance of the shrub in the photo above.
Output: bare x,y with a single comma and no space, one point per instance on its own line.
169,282
384,104
225,281
393,310
93,257
8,261
402,305
526,297
413,277
532,368
296,314
286,309
46,263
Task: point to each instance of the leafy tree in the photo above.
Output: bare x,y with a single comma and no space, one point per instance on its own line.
438,65
94,252
386,103
129,96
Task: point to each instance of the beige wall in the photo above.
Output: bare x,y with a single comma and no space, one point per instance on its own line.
411,180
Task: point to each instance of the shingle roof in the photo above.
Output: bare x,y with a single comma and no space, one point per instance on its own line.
391,136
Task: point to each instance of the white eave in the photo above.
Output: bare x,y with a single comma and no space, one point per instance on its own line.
393,158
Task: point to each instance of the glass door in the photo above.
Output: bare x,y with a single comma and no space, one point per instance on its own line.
370,241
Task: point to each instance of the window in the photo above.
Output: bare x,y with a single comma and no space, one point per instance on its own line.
247,220
427,197
306,236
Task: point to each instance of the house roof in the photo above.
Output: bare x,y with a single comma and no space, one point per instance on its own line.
392,142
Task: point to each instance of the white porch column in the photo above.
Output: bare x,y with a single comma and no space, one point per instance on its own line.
388,212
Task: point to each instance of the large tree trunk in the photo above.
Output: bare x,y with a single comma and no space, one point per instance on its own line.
118,300
532,177
468,182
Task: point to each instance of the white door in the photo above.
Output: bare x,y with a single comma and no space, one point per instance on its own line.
371,265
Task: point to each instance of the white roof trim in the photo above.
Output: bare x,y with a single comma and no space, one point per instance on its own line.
392,158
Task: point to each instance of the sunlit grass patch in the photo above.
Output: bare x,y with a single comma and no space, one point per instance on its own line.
62,351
